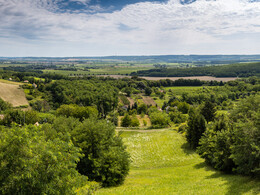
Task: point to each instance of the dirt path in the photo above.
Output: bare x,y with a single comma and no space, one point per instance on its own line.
140,130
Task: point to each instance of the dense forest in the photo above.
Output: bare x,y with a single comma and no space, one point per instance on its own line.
233,70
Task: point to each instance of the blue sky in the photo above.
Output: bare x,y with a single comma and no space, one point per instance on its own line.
133,27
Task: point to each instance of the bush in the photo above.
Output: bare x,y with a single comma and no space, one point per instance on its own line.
4,105
126,121
182,128
106,159
130,121
159,119
177,117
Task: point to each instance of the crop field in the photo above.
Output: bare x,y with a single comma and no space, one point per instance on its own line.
162,163
12,93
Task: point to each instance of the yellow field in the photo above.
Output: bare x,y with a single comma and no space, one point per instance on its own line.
12,93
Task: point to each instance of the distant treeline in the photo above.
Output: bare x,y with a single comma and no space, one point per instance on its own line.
232,70
206,59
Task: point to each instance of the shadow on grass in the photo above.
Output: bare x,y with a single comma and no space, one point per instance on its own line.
237,184
186,149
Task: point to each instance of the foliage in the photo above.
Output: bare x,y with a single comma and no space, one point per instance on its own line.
130,121
142,108
148,91
106,159
246,148
208,111
177,117
215,146
76,111
20,117
4,105
32,164
196,127
233,144
85,93
232,70
159,119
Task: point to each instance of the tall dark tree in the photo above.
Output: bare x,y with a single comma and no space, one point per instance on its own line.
208,111
196,127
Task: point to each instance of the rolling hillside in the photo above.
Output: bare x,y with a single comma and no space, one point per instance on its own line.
12,93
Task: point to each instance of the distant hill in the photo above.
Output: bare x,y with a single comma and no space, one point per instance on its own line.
232,70
199,59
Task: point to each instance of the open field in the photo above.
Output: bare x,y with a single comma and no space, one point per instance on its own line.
202,78
12,93
163,164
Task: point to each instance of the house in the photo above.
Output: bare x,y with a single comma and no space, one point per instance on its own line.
26,81
34,85
10,79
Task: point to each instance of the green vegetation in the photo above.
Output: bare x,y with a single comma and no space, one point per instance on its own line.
162,163
79,114
233,70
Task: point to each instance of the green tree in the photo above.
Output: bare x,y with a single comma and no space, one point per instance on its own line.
32,164
208,111
148,91
196,127
126,121
4,105
106,159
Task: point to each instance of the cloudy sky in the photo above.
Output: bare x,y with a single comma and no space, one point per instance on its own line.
128,27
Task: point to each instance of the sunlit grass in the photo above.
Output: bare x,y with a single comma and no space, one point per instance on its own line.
163,164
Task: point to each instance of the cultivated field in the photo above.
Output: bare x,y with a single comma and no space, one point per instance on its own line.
202,78
12,93
163,164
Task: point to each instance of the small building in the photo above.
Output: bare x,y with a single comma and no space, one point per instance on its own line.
26,81
34,85
10,79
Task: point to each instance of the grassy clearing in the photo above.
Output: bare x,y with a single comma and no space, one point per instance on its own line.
13,94
163,164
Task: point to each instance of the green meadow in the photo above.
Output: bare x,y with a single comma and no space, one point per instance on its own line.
162,163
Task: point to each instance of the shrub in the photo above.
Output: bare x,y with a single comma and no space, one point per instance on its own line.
126,121
159,119
4,105
182,128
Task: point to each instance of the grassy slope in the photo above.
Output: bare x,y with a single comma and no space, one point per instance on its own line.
162,164
11,92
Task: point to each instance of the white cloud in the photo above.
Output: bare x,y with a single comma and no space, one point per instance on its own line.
205,26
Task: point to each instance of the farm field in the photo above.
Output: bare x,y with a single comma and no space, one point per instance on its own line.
12,93
202,78
163,164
